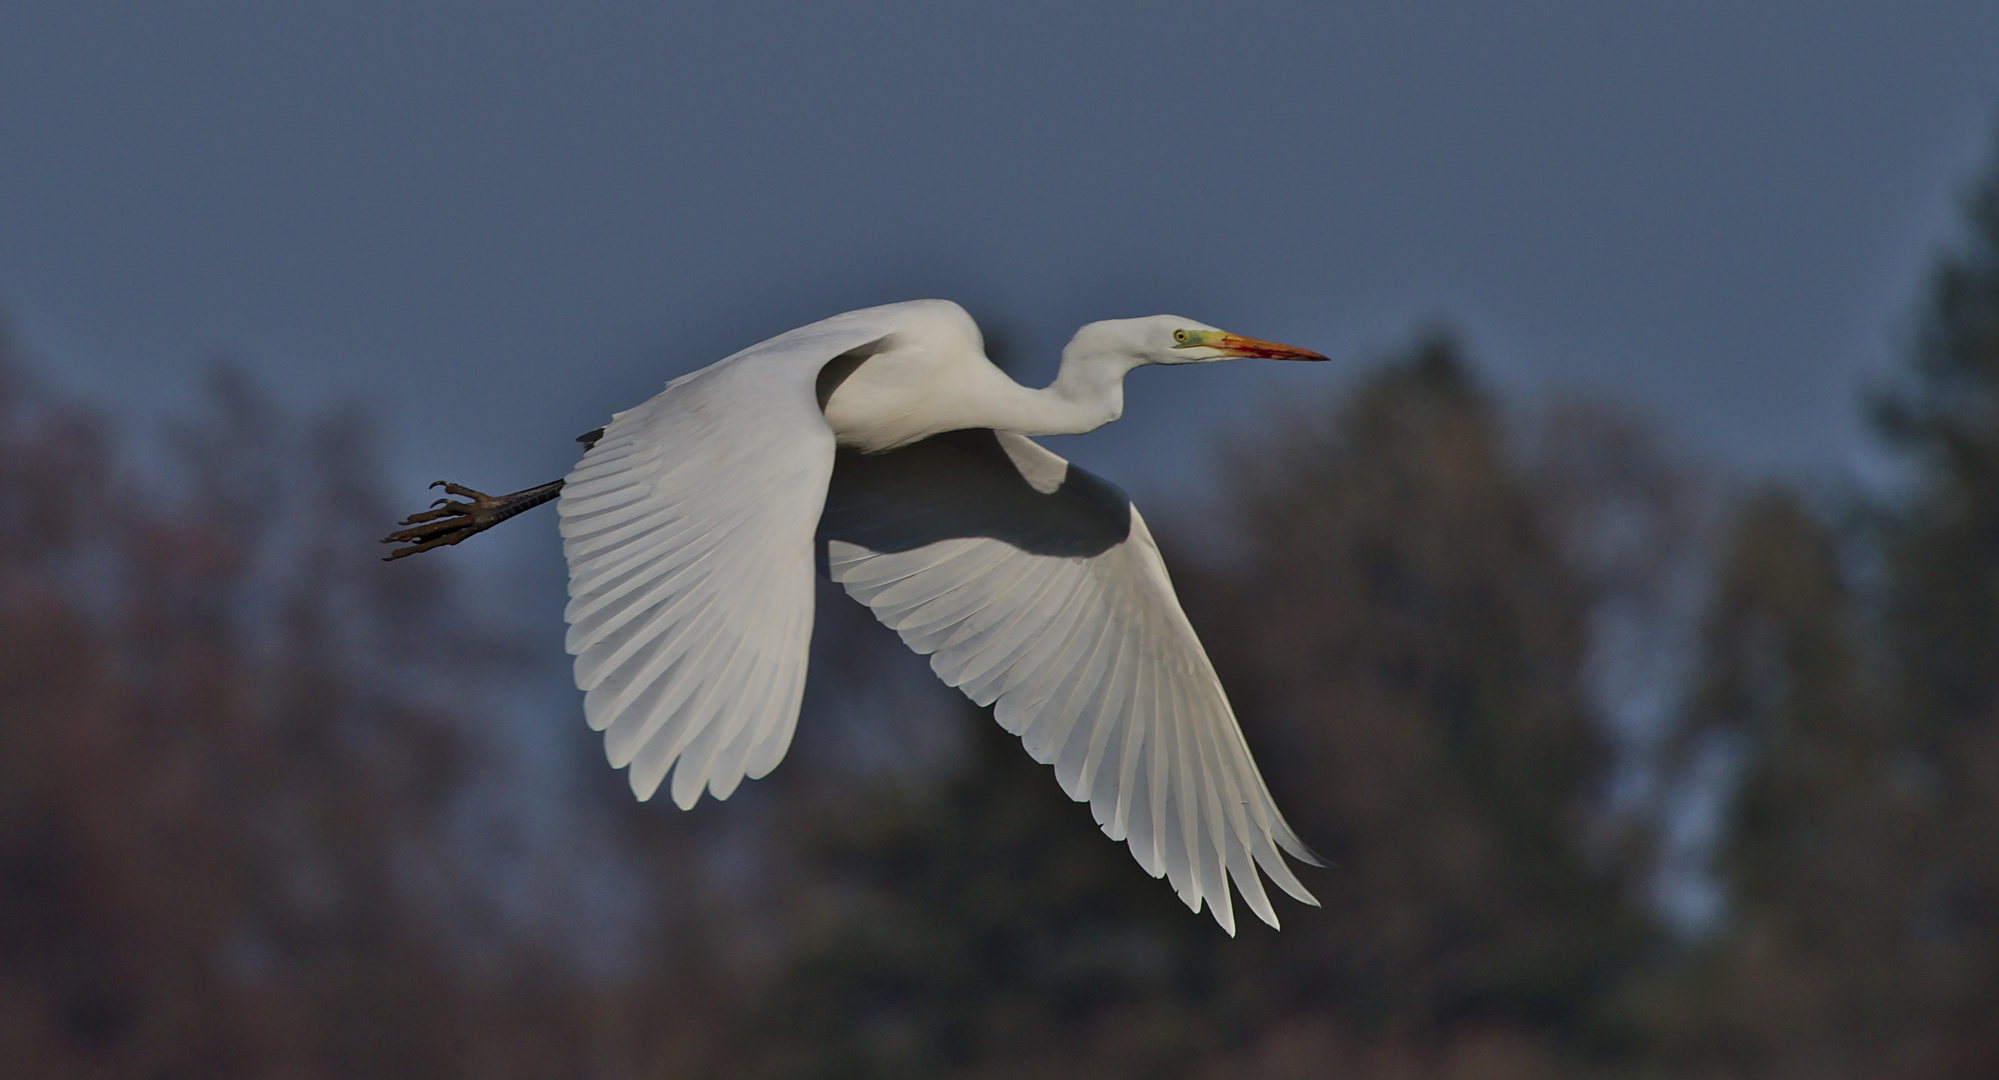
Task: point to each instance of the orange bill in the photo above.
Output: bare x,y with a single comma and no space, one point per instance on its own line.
1268,350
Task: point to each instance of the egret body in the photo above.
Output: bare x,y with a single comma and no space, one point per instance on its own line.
883,445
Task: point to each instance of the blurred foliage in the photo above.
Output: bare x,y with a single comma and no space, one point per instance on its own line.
226,757
1850,665
1819,971
239,755
984,927
1410,643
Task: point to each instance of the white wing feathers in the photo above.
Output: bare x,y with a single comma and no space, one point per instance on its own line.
1031,585
688,531
1035,587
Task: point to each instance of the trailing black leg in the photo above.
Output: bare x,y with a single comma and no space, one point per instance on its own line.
449,522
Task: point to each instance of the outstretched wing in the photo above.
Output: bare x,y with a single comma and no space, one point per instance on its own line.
1035,587
688,530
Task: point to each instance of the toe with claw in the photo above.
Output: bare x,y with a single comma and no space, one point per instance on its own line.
448,522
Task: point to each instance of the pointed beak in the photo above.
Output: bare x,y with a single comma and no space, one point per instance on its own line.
1268,350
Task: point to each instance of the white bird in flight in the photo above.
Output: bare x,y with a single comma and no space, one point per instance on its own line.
884,447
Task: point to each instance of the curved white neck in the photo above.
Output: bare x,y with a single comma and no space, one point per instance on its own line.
1088,392
902,396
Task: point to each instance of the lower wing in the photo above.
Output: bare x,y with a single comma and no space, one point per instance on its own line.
1035,587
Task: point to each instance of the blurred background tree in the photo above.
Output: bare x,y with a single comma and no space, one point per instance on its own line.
1851,666
1941,550
1818,850
228,756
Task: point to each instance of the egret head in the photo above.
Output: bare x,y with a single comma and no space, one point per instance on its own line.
1171,339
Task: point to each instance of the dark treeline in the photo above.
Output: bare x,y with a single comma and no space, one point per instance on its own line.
239,755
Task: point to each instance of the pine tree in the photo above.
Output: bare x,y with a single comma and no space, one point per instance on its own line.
1815,972
1942,553
1407,640
1862,937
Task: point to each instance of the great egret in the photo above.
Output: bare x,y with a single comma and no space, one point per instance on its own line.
886,441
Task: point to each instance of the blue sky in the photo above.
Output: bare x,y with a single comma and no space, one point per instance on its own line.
499,222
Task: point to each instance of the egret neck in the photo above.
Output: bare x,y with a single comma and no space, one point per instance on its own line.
1088,392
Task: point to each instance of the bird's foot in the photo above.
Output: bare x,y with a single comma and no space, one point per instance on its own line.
448,522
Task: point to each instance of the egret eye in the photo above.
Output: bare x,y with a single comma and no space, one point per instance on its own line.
1180,337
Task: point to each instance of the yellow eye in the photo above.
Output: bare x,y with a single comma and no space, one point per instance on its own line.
1180,336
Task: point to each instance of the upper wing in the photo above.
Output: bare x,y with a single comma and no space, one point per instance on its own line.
1035,585
688,531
